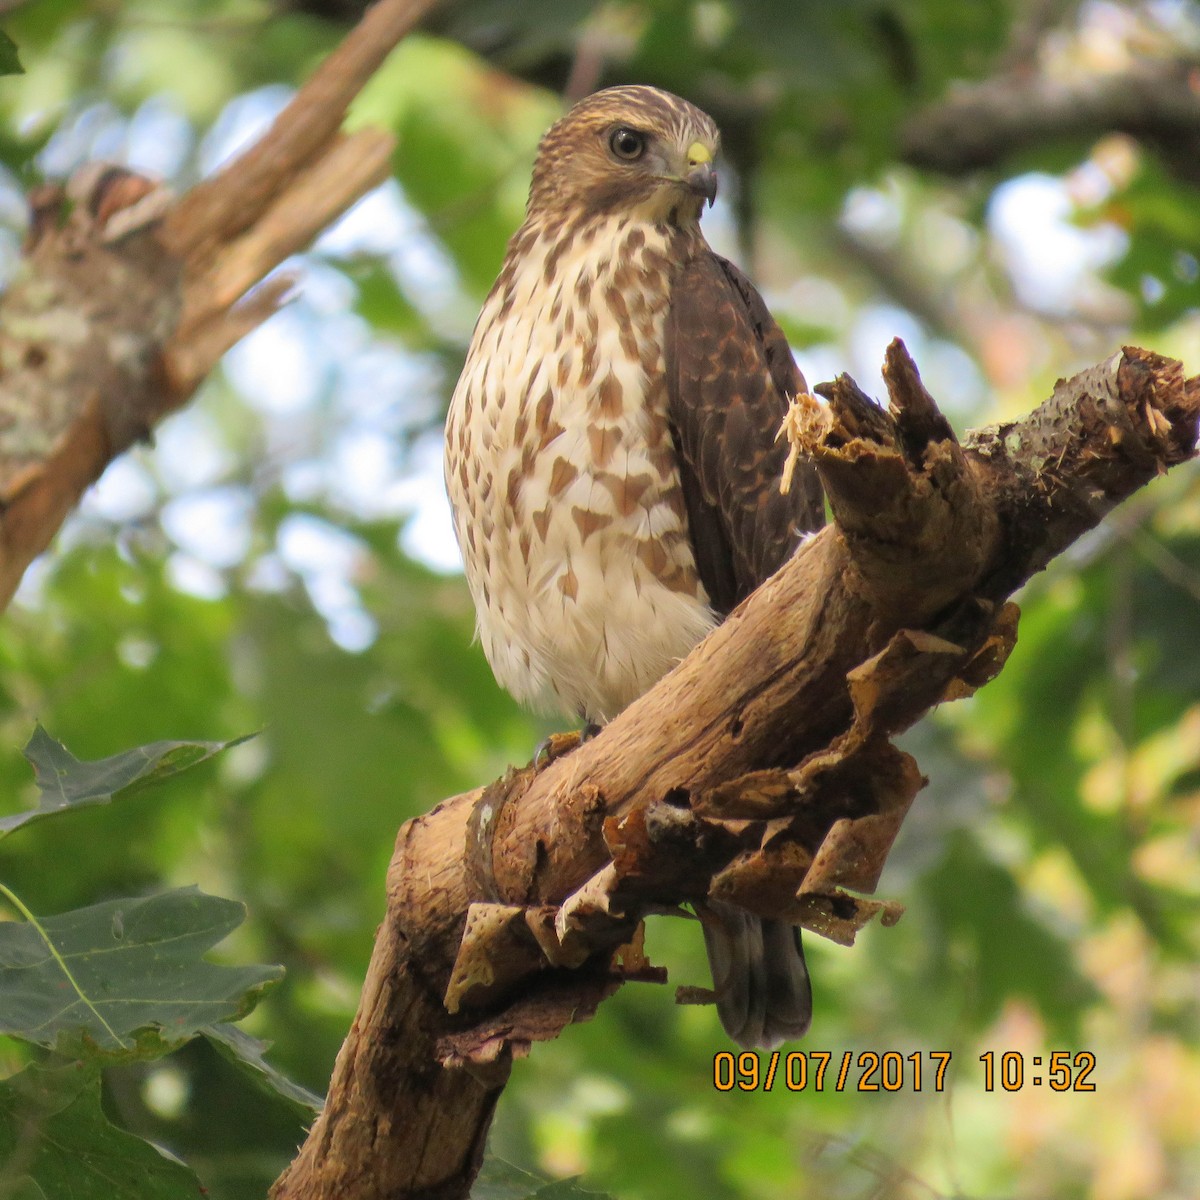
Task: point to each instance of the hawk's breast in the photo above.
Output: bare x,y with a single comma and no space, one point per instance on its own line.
562,471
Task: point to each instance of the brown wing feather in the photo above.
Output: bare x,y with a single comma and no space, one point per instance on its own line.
730,372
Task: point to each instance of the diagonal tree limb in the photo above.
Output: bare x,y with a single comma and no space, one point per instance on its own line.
126,299
218,210
760,769
979,125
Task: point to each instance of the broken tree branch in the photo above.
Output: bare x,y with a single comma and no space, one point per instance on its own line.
759,770
125,300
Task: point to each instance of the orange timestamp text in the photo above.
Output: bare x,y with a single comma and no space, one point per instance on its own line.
824,1071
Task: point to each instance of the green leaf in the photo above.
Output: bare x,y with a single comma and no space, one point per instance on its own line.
1015,953
1159,268
247,1052
10,61
67,782
126,978
56,1142
500,1180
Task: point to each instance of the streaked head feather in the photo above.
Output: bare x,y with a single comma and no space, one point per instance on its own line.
576,170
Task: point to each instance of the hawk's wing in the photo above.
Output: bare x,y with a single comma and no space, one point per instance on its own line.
730,373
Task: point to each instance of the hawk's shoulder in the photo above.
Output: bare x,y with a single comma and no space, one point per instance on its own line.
730,373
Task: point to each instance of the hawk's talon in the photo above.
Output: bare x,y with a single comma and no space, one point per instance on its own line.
554,746
557,744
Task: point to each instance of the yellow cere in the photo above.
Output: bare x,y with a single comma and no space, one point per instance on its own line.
698,153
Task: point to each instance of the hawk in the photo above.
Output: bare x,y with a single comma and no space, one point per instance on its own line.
611,457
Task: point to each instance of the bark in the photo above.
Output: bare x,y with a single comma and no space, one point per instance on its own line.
126,298
981,124
760,770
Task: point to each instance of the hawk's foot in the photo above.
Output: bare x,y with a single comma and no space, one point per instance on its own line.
553,747
558,744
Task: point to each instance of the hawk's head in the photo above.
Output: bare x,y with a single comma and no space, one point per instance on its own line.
633,150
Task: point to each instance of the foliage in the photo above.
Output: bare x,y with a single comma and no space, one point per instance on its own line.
10,60
64,782
45,1111
281,561
120,981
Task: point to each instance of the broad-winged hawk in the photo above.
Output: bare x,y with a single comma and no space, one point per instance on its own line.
611,455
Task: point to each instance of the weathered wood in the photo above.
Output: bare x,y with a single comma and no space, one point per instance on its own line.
782,715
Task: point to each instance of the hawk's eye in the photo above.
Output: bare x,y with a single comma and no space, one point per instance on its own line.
627,143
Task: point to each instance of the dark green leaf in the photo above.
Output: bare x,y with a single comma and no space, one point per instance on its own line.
10,61
56,1142
126,978
247,1052
67,782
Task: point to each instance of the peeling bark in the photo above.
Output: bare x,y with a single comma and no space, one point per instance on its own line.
760,770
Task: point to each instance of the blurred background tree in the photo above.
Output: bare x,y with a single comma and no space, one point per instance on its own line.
283,558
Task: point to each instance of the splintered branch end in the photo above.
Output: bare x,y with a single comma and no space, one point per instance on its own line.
918,419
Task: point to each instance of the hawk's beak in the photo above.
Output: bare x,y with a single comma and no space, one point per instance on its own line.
701,177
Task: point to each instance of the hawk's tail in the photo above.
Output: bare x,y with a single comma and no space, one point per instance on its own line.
764,996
